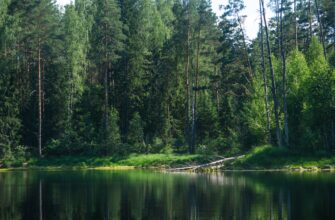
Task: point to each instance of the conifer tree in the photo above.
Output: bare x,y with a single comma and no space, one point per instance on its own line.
108,43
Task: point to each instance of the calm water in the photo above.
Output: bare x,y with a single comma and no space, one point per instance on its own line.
151,195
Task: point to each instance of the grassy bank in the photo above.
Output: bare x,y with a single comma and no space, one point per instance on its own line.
114,162
267,157
259,158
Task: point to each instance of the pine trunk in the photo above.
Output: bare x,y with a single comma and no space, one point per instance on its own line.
39,96
188,104
265,82
296,25
195,89
106,98
321,28
310,20
106,88
273,81
245,47
282,52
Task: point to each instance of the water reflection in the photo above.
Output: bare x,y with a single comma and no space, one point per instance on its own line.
150,195
40,194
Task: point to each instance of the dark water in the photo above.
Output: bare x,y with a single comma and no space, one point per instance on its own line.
151,195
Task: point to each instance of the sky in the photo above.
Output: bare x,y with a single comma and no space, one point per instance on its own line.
251,23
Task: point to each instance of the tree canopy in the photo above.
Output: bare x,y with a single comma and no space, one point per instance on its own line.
120,76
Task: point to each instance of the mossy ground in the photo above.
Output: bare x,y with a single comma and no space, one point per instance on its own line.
268,157
117,162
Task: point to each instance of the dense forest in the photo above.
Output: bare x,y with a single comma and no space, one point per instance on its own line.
105,77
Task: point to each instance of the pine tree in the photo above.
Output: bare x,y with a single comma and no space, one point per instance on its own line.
37,21
10,122
236,76
75,46
108,43
273,80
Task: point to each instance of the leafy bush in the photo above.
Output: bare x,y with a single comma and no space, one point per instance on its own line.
13,158
113,137
53,147
157,145
136,133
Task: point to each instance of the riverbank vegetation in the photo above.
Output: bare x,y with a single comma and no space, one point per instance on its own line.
110,79
271,158
133,160
258,158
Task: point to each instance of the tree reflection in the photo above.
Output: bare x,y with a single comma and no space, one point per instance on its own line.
149,195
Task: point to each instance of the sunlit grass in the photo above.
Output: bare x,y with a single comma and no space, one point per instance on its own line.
268,157
117,162
159,160
259,158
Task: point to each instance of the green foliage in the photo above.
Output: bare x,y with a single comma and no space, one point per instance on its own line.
319,105
331,59
315,56
10,120
75,58
207,118
135,135
268,157
254,113
148,160
113,139
132,76
297,75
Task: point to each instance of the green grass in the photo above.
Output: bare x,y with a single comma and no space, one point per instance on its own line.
133,160
268,157
259,158
161,160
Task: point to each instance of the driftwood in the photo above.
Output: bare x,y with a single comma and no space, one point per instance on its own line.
213,165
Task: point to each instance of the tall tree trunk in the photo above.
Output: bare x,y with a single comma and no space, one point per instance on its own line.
310,20
193,123
187,74
195,89
192,147
112,99
245,46
70,101
277,25
296,24
39,96
106,65
217,93
332,134
273,81
40,199
283,57
106,97
321,28
265,82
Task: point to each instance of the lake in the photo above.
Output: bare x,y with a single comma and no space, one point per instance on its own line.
153,195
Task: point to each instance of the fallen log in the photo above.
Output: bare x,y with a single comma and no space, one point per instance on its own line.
213,165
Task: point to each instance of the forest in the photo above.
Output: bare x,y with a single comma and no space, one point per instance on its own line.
115,77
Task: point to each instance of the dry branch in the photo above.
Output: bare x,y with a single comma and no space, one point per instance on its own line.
213,165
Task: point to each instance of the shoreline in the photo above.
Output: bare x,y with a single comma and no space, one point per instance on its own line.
264,158
167,169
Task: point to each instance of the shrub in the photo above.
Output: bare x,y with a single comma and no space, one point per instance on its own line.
136,134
